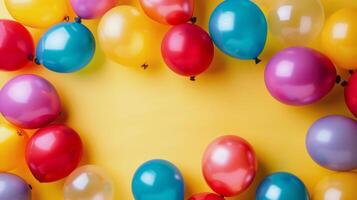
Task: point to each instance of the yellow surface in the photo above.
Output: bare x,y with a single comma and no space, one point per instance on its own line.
127,115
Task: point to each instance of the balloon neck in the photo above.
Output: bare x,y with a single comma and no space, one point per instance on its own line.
193,20
144,66
339,80
78,19
257,60
66,18
193,78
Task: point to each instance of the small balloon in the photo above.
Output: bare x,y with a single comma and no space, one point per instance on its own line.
91,9
206,196
351,94
13,187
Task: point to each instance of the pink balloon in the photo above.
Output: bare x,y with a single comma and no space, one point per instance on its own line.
90,9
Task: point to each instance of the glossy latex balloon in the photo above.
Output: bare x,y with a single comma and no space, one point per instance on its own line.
158,179
282,186
239,29
296,22
124,36
13,188
88,182
339,38
171,12
66,47
229,165
53,153
16,45
351,94
299,76
29,101
90,9
340,186
206,196
187,49
37,13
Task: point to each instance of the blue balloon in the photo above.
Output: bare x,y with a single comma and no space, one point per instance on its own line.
66,47
239,29
158,180
282,186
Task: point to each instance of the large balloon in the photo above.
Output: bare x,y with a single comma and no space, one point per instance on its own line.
206,196
339,38
90,9
229,165
351,94
171,12
14,187
88,182
66,47
282,186
332,142
37,13
296,22
239,29
29,101
158,179
16,46
187,49
299,76
53,152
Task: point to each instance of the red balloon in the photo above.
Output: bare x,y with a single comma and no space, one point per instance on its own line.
206,196
229,165
16,45
53,152
187,49
351,94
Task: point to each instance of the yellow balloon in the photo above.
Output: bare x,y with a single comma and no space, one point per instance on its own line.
296,22
339,38
124,35
37,13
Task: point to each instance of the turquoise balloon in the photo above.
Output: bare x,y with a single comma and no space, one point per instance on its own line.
239,29
282,186
66,47
158,180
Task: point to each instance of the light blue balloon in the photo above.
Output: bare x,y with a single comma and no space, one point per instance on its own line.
66,47
282,186
239,29
158,180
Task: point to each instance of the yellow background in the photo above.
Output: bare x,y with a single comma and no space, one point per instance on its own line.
127,115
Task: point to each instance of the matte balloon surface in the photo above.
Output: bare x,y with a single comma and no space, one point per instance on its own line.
351,94
340,186
13,188
206,196
90,9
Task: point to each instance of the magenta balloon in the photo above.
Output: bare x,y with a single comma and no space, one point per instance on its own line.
29,101
299,76
90,9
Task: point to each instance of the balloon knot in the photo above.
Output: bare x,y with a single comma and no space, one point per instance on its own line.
30,186
351,71
66,18
192,78
193,20
78,19
144,66
36,61
338,79
257,60
30,57
344,83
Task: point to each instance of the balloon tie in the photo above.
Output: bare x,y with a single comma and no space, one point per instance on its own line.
257,60
144,66
193,20
78,19
66,18
30,186
192,78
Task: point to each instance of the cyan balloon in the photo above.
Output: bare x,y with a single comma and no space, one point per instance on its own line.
158,180
239,29
66,47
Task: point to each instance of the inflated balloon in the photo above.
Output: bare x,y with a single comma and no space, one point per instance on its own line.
299,76
187,49
29,101
37,13
53,152
16,46
239,29
171,12
88,182
339,38
90,9
206,196
229,165
351,94
296,22
158,179
282,186
66,47
14,187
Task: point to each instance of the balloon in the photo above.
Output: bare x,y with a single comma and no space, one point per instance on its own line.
340,186
29,101
206,196
351,94
53,152
91,9
296,22
339,38
88,182
332,142
37,13
229,165
171,12
187,49
66,47
239,29
282,186
124,36
158,179
16,45
299,76
14,187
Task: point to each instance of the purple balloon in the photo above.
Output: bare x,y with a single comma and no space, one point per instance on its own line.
299,76
29,101
13,187
90,9
332,142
